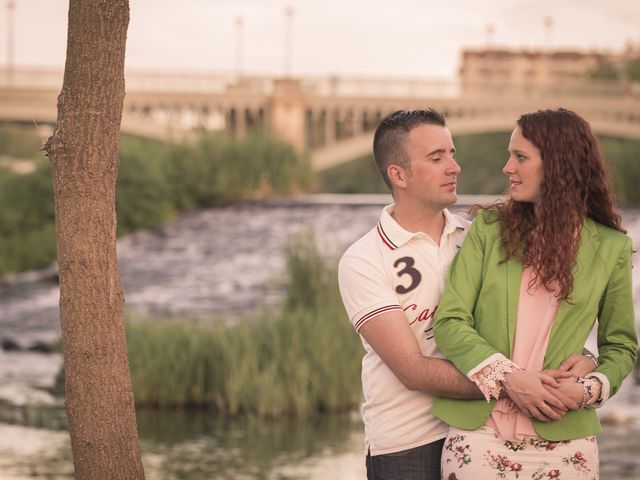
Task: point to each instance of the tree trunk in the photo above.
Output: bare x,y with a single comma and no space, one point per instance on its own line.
83,152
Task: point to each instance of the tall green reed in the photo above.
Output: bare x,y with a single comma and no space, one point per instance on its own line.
299,359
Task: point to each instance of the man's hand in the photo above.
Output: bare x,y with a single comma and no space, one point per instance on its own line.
534,394
578,365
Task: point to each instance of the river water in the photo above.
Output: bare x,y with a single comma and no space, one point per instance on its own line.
221,262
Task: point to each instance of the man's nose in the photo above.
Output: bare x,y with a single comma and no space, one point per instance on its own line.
454,167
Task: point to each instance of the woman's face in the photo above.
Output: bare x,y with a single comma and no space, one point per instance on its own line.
524,169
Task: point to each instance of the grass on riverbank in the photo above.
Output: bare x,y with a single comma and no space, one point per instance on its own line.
156,181
21,142
27,231
299,359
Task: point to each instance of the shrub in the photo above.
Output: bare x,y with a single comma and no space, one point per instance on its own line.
301,359
155,181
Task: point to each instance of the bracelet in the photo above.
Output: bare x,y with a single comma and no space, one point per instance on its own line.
591,391
586,392
593,358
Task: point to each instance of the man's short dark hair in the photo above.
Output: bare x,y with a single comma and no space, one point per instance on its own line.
389,139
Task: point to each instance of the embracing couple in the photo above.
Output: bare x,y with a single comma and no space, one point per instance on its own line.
494,384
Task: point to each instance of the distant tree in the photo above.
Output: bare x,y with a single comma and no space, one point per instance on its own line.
604,71
632,69
83,152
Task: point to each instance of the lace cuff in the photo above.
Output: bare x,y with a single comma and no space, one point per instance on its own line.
591,391
489,379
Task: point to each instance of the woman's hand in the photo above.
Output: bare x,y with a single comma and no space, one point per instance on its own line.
569,392
562,392
571,389
534,394
578,365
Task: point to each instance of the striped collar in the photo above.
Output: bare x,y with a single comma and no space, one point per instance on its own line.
394,236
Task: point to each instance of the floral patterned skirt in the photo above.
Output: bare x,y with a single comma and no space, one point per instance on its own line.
482,455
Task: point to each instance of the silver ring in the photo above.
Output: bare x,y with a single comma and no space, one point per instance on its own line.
544,405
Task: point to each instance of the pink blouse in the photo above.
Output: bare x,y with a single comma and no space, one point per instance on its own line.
537,308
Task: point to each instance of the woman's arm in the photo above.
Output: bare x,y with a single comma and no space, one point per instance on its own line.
617,339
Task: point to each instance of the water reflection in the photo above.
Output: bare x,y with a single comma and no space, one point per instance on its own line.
28,453
198,446
619,442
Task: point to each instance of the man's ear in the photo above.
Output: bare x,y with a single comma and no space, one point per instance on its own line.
397,176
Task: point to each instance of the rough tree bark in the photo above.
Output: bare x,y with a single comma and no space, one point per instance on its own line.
83,152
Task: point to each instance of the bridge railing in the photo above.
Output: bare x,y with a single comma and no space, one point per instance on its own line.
31,77
565,89
324,86
386,87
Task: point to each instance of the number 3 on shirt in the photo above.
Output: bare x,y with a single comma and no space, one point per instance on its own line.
408,269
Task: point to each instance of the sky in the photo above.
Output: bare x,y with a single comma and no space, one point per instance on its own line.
343,37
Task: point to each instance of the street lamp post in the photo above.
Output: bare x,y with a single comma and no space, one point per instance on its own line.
11,5
239,22
489,31
288,41
548,27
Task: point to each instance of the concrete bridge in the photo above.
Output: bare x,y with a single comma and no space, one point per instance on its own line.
332,118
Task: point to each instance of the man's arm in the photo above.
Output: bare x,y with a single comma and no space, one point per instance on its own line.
579,365
391,337
394,342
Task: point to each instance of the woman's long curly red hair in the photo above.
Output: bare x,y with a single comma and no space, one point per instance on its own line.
575,185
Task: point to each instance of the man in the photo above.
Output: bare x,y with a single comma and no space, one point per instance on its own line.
391,281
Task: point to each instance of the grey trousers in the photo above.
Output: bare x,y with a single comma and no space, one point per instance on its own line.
420,463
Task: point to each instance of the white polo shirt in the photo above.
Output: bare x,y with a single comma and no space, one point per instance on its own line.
389,269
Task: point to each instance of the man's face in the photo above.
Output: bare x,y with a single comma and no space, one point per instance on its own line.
431,179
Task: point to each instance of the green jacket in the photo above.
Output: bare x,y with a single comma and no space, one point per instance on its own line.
477,317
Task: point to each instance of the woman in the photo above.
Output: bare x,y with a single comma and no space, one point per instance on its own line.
523,293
